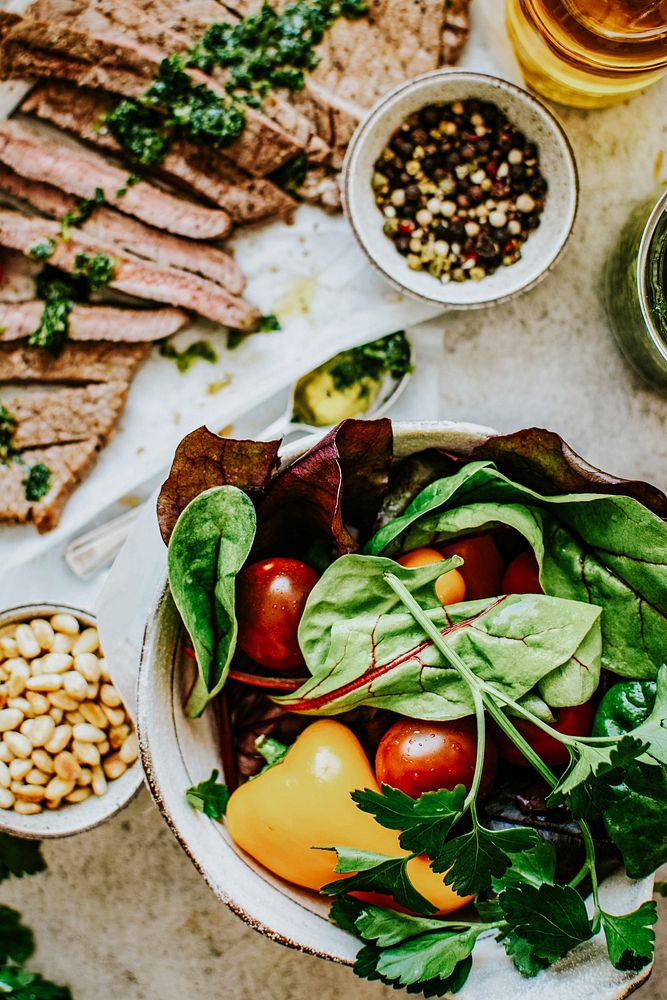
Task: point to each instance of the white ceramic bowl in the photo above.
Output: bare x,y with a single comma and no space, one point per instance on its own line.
77,817
178,752
542,248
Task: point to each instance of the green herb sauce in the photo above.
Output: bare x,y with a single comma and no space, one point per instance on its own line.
42,250
38,482
81,212
267,49
60,291
348,384
200,349
269,323
130,181
7,428
96,269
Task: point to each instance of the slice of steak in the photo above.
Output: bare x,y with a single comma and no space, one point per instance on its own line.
129,234
87,323
68,464
136,277
122,65
79,171
83,362
200,169
62,415
18,277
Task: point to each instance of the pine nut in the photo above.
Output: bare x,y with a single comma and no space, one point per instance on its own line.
23,706
87,642
83,732
17,663
92,691
65,623
88,665
78,795
26,641
39,702
4,694
44,682
16,685
85,777
114,766
9,646
104,748
19,744
5,775
41,730
6,798
104,670
67,766
93,714
109,696
36,777
86,753
6,756
56,663
62,643
29,793
56,714
52,803
10,718
74,718
36,667
64,701
58,788
118,735
99,782
27,808
42,632
60,738
75,685
43,760
129,751
19,768
116,716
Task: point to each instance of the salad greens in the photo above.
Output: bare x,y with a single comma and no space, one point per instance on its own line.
604,549
209,797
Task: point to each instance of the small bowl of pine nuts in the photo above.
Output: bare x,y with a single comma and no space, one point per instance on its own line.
68,750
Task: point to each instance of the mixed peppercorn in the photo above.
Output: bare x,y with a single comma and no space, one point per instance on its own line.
460,189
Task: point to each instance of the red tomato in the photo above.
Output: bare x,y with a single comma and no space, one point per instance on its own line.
576,720
270,598
482,569
522,576
418,757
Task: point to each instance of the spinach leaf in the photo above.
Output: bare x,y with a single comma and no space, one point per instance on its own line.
600,548
208,547
635,820
367,657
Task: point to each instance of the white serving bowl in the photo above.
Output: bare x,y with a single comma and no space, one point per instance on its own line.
544,245
80,816
178,752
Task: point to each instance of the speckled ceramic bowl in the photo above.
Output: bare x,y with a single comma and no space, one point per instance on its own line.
542,248
77,817
178,752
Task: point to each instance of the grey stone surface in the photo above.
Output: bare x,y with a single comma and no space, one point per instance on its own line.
121,913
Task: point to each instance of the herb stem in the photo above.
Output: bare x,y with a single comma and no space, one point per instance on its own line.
481,744
580,876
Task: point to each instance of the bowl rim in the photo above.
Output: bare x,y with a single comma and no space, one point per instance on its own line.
36,609
364,130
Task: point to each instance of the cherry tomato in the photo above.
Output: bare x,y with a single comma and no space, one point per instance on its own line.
450,588
418,757
576,720
522,576
270,598
482,568
420,557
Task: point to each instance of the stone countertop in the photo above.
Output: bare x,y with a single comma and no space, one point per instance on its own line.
121,913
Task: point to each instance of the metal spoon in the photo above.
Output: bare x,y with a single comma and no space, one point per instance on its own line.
91,551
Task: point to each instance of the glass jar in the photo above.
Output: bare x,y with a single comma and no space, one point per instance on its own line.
636,291
589,53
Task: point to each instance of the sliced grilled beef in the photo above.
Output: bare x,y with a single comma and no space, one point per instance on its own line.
86,323
88,362
122,65
199,169
68,463
60,416
80,171
132,276
129,234
18,277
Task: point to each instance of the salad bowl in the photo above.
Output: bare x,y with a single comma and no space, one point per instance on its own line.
177,752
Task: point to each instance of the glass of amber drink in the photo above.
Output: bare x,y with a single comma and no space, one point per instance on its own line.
589,53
